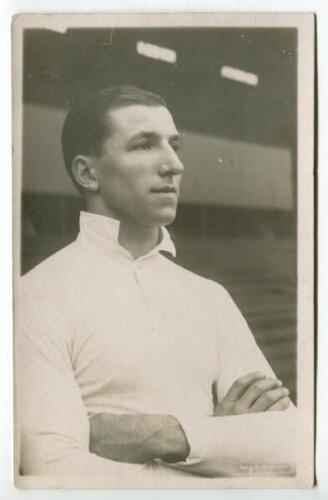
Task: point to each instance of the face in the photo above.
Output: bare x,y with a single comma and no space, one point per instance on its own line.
139,170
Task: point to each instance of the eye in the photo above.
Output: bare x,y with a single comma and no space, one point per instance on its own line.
143,146
175,146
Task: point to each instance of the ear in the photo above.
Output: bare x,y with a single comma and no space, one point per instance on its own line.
85,174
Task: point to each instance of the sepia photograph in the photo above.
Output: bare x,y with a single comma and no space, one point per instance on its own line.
163,250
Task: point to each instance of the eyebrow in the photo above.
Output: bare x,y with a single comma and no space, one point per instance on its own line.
153,135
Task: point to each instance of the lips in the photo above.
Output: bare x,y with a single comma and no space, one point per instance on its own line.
165,189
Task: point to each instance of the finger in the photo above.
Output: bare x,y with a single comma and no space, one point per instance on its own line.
257,389
269,398
241,384
280,405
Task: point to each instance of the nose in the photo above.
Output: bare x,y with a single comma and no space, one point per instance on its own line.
170,163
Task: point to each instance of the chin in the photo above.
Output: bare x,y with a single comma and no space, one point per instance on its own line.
164,218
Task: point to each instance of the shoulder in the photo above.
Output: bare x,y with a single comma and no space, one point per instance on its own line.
193,282
45,296
52,264
53,275
43,301
200,297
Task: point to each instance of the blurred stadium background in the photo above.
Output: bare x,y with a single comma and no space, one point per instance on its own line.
238,210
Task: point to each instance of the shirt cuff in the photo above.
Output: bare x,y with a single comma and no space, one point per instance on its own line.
194,431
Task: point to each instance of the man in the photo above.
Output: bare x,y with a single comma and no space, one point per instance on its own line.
128,364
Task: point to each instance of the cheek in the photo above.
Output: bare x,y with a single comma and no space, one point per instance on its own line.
122,181
127,174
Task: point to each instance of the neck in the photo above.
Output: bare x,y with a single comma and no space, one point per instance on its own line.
135,238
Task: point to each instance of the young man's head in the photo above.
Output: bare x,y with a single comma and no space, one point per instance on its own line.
120,148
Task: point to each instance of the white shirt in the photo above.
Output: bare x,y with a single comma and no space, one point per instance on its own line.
97,331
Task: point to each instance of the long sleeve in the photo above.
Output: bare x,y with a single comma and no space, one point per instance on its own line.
223,446
52,419
238,353
220,445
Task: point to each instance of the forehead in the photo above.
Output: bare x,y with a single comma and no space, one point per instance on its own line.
134,119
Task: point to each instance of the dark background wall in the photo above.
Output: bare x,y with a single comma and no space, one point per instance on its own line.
237,218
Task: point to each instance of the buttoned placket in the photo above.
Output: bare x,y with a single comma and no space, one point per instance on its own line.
137,267
103,233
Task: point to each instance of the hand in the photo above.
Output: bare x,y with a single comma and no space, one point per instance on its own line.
253,393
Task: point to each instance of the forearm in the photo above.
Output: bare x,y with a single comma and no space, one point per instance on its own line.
219,445
53,455
138,438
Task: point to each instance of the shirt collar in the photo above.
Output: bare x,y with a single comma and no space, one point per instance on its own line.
104,231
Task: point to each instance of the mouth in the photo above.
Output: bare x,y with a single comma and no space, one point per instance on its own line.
165,190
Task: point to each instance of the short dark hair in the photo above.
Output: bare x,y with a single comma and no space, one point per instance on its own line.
86,125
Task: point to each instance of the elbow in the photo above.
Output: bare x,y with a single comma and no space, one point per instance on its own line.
32,459
47,455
